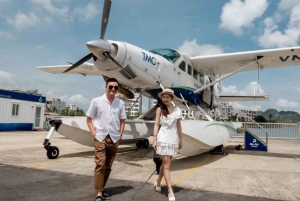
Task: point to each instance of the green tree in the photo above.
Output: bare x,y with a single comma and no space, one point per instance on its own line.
270,117
260,118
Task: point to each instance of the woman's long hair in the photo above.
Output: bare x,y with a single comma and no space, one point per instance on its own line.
163,107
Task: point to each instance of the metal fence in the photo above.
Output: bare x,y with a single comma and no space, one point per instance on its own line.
275,130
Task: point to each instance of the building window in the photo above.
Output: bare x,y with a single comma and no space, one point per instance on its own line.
15,109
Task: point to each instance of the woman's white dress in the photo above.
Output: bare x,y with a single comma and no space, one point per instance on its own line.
167,137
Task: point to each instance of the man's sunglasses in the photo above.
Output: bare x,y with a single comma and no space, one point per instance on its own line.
111,87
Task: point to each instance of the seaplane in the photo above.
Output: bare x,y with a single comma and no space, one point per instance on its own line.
196,80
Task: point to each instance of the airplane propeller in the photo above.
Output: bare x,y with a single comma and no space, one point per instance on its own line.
106,44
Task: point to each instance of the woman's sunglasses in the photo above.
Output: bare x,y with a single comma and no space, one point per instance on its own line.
111,87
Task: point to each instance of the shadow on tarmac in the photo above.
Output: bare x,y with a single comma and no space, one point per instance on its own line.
27,184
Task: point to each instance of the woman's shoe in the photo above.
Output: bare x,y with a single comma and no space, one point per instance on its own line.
171,198
157,188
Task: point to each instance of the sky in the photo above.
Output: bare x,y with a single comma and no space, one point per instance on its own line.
37,33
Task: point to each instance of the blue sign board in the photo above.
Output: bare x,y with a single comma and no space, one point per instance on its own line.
22,96
252,142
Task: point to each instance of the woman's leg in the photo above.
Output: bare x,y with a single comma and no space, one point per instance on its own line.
161,175
167,169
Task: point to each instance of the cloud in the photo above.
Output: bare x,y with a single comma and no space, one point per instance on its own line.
78,98
22,21
287,5
284,104
49,7
6,79
39,47
237,14
251,89
6,35
86,13
194,49
272,37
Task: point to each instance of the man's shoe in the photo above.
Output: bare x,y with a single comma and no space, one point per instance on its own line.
105,195
99,198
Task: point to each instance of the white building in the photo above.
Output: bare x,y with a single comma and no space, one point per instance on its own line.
225,111
152,103
250,113
21,111
186,114
56,103
72,106
134,104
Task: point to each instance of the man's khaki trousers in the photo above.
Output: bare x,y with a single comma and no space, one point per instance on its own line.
105,153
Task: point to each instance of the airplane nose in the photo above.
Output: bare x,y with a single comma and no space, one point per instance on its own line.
97,47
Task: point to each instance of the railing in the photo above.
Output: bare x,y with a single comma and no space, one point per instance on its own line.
275,130
259,130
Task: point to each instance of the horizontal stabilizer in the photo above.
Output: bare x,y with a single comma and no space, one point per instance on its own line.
243,98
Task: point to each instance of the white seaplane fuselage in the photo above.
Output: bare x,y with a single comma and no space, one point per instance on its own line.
198,136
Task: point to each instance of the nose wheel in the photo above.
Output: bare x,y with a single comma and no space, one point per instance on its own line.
142,143
52,151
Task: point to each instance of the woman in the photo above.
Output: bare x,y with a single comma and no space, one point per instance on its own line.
168,140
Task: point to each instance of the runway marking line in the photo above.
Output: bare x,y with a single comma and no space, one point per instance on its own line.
186,174
44,165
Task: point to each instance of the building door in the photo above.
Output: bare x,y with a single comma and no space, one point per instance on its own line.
37,122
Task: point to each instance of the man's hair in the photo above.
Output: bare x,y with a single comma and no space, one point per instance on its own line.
111,80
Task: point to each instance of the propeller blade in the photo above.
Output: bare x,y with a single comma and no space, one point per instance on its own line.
81,61
105,16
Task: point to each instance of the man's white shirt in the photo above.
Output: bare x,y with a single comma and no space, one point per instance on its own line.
106,117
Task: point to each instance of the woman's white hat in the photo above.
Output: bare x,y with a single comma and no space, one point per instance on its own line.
168,91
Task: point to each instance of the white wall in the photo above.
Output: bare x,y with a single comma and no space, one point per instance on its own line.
26,111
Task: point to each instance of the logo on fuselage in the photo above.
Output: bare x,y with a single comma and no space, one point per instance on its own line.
294,57
149,59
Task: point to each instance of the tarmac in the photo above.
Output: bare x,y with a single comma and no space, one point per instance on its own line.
27,174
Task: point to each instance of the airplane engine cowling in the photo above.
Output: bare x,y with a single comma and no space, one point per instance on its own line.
118,51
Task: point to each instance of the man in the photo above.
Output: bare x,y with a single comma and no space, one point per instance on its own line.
106,121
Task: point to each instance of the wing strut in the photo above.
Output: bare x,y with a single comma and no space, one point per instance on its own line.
186,105
226,76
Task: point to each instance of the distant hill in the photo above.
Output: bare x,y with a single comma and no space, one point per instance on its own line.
286,116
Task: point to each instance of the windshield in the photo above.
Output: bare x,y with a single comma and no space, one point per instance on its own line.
169,54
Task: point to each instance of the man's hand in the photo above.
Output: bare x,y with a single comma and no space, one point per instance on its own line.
93,134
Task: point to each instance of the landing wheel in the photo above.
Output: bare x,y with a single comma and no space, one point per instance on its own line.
146,143
220,148
52,152
238,147
143,143
139,144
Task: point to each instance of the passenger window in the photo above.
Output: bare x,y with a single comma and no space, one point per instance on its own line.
182,66
195,74
202,79
189,70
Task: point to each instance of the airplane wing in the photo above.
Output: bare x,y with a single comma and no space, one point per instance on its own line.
243,98
83,69
227,63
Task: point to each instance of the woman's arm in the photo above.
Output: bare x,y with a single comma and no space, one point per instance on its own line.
156,126
179,130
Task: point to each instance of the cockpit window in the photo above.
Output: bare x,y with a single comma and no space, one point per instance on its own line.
169,54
